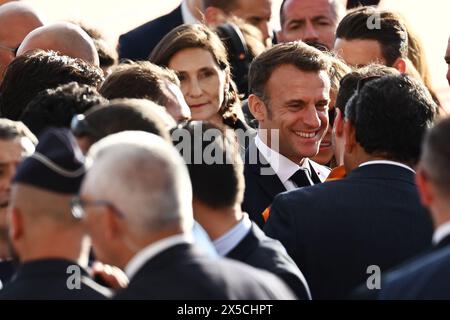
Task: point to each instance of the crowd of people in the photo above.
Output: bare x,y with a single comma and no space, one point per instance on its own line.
211,157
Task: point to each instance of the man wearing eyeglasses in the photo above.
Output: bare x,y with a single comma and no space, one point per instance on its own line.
47,240
16,21
136,203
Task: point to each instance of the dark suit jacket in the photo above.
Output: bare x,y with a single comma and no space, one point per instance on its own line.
363,293
335,230
262,252
181,272
6,272
47,279
138,43
425,278
260,189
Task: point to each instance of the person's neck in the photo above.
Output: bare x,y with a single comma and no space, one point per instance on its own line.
358,157
195,7
133,245
439,211
217,221
66,246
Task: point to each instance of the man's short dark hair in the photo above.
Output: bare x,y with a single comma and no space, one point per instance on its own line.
29,74
123,115
139,80
349,82
435,159
298,54
219,184
391,115
391,33
56,107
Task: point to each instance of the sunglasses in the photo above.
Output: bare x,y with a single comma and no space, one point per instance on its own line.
78,207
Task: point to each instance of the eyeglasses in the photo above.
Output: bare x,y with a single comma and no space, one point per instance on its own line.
78,207
80,127
12,50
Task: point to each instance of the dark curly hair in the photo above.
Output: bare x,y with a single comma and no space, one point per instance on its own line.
56,107
391,115
38,70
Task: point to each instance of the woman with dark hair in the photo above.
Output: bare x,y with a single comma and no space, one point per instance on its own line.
199,58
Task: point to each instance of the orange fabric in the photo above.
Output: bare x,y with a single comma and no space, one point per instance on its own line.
337,173
266,214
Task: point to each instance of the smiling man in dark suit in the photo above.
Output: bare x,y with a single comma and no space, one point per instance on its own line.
290,93
335,231
218,188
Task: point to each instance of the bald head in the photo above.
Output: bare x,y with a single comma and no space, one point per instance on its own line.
64,37
24,19
38,204
151,188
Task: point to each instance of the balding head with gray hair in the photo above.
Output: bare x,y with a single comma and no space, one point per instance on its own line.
17,19
64,37
145,178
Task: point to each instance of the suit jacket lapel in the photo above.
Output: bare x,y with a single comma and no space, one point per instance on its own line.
264,174
246,246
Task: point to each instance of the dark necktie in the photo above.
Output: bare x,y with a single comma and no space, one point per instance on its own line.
300,178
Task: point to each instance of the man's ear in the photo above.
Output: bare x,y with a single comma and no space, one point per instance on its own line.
425,189
350,137
400,65
338,126
257,107
214,16
15,222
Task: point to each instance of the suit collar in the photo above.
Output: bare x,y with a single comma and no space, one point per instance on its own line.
248,244
233,237
188,17
179,253
47,266
382,171
442,234
152,250
262,171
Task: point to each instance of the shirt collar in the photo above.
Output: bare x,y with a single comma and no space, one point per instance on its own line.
394,163
138,261
283,167
233,237
441,232
188,17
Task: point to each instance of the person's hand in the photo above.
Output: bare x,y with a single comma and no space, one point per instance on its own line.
109,276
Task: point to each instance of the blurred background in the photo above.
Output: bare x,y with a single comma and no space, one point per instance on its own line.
430,19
